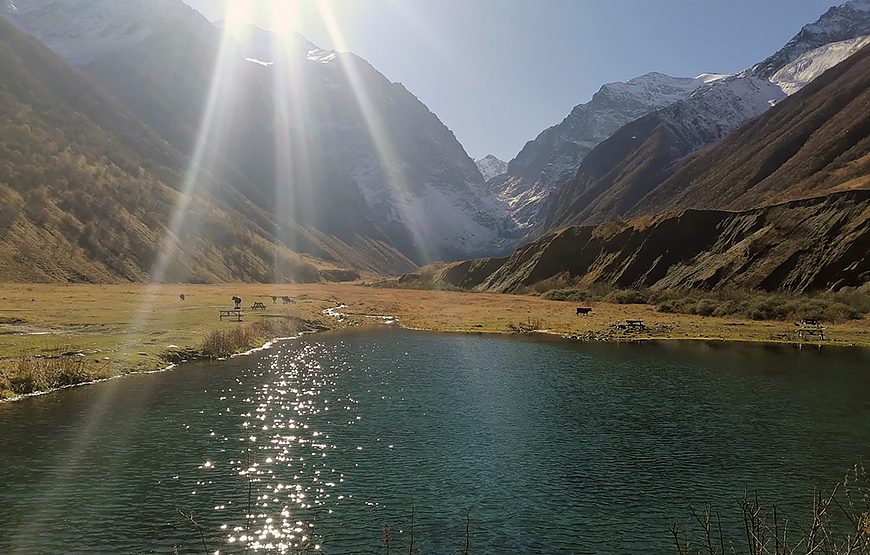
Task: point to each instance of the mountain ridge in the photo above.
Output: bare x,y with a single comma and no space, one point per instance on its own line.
626,167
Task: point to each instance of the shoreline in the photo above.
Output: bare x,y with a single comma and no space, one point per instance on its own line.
537,335
40,329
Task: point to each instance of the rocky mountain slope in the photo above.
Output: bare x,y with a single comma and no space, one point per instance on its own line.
317,136
621,171
553,156
804,245
89,193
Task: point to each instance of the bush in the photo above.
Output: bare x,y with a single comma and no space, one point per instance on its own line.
574,295
223,343
626,296
828,307
30,374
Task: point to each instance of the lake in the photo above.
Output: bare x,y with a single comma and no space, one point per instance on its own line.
339,442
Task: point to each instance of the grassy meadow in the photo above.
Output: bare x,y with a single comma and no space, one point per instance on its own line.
56,335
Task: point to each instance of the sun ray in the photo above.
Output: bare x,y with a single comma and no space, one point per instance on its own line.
390,163
87,430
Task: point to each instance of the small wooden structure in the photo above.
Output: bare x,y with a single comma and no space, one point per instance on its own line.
808,329
235,313
635,323
258,306
584,310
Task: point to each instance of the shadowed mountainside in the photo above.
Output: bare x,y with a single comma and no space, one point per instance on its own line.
804,245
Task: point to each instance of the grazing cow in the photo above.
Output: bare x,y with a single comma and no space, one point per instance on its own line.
181,296
583,311
238,301
286,299
274,299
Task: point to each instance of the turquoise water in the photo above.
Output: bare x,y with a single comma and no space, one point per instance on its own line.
553,447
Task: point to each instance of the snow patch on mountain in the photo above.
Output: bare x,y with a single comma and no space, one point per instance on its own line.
490,166
807,67
321,56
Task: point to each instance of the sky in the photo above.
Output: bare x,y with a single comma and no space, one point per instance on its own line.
498,72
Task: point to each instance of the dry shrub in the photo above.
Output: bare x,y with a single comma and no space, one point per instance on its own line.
759,305
29,374
838,524
529,326
223,343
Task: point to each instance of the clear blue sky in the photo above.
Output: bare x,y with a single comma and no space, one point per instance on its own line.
497,72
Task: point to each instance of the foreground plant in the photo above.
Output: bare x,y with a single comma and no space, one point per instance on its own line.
839,524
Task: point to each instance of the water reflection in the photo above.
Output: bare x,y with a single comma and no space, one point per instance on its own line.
322,444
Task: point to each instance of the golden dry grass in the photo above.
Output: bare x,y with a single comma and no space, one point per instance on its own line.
124,328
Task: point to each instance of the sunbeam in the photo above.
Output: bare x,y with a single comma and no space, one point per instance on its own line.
390,163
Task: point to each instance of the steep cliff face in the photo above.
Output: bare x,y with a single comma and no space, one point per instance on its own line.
806,245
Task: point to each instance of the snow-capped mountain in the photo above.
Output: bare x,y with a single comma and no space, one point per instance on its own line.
491,166
844,22
319,135
622,171
554,156
718,108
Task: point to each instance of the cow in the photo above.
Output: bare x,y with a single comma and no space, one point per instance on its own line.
583,311
238,301
181,297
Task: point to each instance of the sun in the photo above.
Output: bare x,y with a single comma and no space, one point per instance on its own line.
276,15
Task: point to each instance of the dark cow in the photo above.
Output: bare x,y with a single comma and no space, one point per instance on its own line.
182,297
238,301
583,311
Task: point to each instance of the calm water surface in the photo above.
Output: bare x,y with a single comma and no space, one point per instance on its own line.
326,442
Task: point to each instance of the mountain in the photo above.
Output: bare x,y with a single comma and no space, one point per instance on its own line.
806,245
806,161
839,23
315,136
617,176
554,155
89,193
490,166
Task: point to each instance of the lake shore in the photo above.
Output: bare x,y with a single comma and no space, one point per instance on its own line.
113,330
